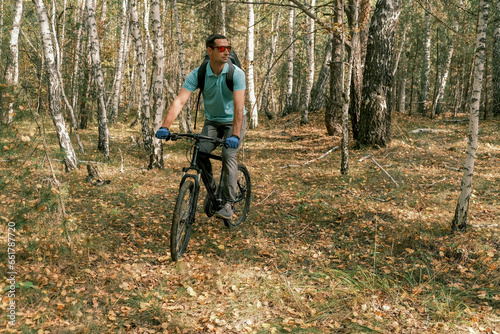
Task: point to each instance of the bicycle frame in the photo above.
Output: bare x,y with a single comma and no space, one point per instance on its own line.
200,172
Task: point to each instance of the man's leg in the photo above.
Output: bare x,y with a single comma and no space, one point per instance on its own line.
230,165
207,146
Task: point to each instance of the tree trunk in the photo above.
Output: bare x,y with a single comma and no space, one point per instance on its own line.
288,108
462,209
217,20
358,64
12,62
344,167
426,67
254,118
141,73
95,51
402,85
375,116
70,159
114,100
184,116
445,72
156,157
310,67
1,31
318,94
332,119
496,65
75,78
264,104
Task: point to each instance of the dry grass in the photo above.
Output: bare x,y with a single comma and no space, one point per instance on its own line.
320,252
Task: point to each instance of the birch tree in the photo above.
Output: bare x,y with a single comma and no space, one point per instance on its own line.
426,67
70,159
95,54
375,117
254,119
113,102
461,212
310,66
1,28
156,158
318,93
12,62
289,65
446,69
344,167
75,82
496,64
267,80
142,75
184,116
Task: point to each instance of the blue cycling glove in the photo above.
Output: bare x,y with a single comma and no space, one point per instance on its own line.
232,142
163,133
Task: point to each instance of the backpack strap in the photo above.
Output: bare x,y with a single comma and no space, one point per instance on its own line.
230,75
201,85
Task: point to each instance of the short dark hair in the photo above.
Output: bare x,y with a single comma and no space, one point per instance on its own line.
210,42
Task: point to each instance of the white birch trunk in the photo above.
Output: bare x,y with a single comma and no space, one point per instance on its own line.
254,118
446,70
426,67
12,68
149,42
95,51
184,116
156,157
75,82
142,76
344,166
496,65
114,104
264,103
310,68
1,25
462,209
318,93
54,88
291,57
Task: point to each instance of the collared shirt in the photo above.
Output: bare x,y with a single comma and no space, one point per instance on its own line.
217,98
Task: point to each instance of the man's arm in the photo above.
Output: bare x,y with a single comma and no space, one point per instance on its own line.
239,103
176,107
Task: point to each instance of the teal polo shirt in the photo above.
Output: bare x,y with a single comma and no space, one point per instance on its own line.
217,98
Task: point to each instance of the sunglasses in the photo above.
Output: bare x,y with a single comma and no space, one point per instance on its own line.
222,48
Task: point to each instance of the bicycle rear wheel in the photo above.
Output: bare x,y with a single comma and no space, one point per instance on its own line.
182,222
243,197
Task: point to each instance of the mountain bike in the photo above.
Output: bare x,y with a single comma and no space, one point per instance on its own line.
189,189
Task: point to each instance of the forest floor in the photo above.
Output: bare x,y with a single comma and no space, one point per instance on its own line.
320,252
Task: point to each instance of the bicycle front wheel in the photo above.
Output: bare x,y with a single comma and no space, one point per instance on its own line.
182,222
244,193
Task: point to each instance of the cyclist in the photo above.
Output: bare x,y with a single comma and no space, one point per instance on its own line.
224,116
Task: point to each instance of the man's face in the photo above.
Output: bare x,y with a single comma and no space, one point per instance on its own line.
215,54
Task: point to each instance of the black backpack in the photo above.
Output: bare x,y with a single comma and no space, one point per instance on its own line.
232,61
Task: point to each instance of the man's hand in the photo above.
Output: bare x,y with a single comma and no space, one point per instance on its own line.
232,142
163,133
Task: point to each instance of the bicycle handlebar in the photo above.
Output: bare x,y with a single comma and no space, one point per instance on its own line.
197,137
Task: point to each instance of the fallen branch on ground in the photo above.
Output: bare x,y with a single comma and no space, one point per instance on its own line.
308,162
382,168
428,130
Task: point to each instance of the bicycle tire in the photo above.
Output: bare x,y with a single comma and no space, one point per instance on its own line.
182,221
243,198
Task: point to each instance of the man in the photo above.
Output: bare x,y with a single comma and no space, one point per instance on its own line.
224,115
